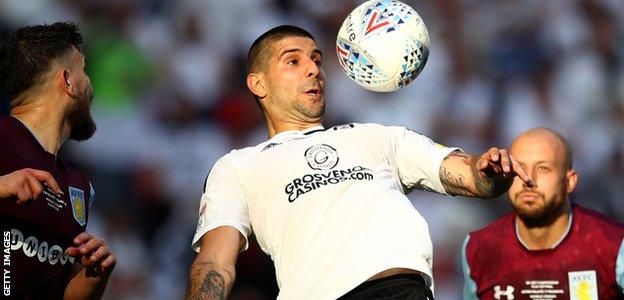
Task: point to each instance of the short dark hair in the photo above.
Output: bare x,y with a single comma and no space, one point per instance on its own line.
258,51
26,54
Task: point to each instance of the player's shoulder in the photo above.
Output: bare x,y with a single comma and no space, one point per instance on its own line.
371,126
597,220
241,155
381,129
353,127
494,230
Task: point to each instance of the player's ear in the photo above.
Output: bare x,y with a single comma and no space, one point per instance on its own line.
571,179
257,85
66,81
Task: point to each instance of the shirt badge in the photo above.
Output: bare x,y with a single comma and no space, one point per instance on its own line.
76,196
583,285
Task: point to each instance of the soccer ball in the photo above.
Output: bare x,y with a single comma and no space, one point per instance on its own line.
383,45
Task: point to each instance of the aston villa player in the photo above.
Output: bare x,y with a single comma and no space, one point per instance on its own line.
44,201
547,248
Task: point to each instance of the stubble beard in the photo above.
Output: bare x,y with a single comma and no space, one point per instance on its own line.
313,112
288,106
79,117
540,216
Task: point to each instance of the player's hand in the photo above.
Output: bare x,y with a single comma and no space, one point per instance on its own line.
499,163
27,184
94,254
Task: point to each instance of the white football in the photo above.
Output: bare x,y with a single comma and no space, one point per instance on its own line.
383,45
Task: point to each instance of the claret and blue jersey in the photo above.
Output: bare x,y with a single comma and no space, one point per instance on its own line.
41,231
588,263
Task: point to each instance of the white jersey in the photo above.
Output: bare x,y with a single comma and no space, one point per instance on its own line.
328,206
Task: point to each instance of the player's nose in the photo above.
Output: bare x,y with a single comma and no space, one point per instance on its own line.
313,69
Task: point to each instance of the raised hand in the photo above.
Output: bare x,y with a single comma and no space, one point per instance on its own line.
27,184
497,162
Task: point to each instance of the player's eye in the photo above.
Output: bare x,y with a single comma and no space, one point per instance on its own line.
318,62
293,62
543,168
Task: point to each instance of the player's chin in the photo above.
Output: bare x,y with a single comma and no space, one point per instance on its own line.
313,106
529,210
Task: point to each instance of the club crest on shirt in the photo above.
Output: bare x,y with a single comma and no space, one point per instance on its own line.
76,196
321,157
583,285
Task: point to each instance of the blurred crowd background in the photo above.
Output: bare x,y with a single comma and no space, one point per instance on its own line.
170,99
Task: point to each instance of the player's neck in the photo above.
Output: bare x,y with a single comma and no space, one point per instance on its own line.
276,126
46,122
547,236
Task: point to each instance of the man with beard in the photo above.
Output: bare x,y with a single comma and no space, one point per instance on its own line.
547,247
44,201
328,205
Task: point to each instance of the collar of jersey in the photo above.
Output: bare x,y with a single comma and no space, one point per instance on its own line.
563,236
299,132
34,136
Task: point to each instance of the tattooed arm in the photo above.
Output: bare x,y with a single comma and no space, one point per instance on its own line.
212,273
486,176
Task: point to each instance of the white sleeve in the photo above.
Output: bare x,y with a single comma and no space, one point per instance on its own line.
222,203
418,159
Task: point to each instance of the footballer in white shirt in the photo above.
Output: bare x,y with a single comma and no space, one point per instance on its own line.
328,205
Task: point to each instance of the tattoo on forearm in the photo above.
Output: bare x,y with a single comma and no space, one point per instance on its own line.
454,184
212,287
488,186
458,153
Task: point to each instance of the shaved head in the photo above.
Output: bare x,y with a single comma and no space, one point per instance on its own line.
260,51
542,132
547,158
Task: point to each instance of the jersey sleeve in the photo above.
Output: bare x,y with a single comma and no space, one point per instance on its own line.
470,286
222,203
91,195
418,159
619,268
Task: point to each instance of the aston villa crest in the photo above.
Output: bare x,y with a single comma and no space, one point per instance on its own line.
76,196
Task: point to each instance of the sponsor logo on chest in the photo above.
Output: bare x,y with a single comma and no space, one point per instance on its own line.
40,250
322,159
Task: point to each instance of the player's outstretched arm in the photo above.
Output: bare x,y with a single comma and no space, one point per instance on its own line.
95,263
486,176
26,184
213,273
